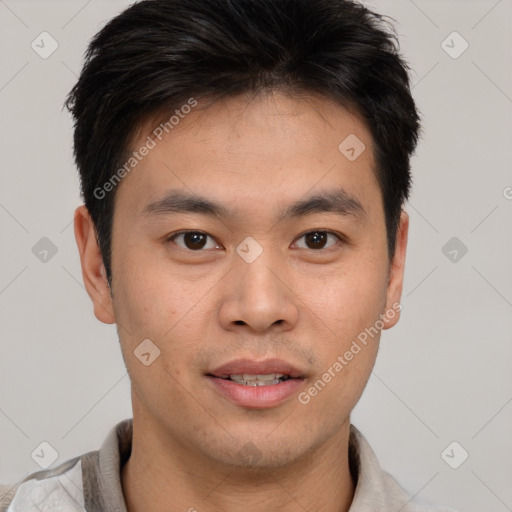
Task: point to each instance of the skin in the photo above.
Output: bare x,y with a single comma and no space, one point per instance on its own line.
205,307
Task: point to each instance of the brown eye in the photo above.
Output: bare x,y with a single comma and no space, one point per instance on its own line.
192,240
318,239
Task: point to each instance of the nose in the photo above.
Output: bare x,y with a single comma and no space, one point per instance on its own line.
258,297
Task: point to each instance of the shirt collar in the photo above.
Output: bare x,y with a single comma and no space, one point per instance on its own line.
375,489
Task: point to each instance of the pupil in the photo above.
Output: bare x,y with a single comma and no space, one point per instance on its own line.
194,240
317,239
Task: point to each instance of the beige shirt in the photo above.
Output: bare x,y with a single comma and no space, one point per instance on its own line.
92,482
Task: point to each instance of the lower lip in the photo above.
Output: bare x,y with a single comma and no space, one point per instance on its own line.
257,397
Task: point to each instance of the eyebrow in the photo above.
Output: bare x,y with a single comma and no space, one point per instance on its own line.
338,201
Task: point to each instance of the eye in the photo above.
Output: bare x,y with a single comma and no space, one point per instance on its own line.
318,239
193,240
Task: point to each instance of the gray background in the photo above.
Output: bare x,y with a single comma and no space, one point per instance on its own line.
443,372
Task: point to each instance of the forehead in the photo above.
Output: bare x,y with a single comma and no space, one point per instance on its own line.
252,149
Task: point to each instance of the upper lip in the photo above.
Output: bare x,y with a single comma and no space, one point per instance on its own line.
253,367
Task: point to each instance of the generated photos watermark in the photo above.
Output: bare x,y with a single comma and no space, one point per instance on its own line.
357,345
151,143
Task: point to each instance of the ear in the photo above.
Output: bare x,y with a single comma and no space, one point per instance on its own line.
396,274
93,270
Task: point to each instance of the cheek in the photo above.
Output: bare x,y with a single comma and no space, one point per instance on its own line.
347,299
346,308
147,293
154,301
150,303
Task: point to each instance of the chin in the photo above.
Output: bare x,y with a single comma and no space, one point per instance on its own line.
259,454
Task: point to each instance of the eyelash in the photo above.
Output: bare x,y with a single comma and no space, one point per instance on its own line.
340,238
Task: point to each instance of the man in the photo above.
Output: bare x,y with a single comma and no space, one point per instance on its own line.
243,166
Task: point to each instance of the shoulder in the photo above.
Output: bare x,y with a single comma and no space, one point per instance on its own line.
375,488
46,490
87,482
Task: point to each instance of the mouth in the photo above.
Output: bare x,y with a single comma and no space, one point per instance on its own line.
262,371
257,384
247,379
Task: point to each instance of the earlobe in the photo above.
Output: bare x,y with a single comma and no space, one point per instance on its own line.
396,274
93,269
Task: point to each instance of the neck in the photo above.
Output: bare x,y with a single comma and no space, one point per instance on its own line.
164,475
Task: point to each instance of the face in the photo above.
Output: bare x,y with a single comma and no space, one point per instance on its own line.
247,242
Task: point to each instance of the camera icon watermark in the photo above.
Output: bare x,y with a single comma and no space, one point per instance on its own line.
454,455
44,45
454,249
454,45
44,250
249,454
146,352
249,250
352,147
44,455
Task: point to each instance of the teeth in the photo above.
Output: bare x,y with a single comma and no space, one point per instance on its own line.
248,379
258,382
249,376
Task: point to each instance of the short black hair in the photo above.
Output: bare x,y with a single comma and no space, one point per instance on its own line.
157,54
